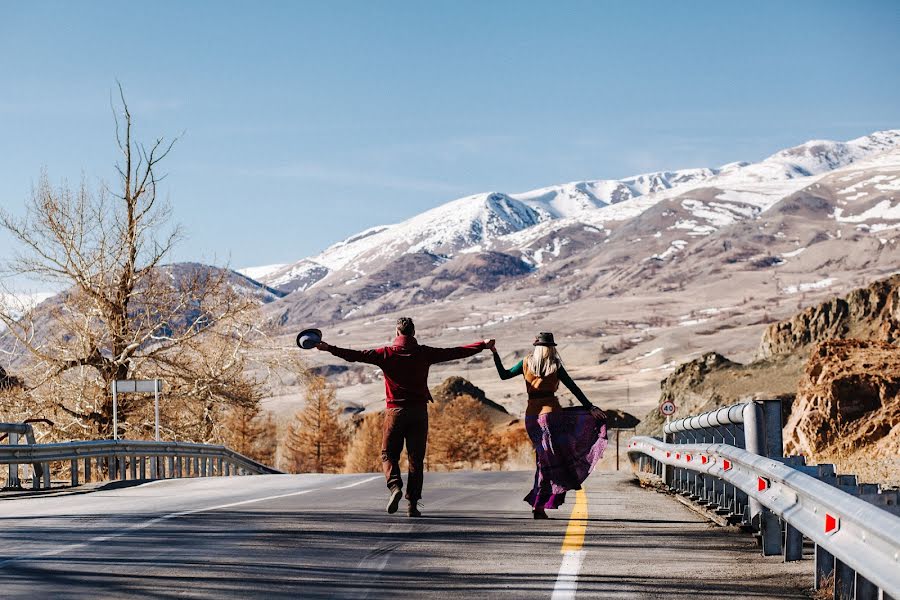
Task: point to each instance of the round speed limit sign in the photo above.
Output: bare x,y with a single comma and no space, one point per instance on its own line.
667,408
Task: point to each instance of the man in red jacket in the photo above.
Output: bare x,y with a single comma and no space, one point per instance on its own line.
405,365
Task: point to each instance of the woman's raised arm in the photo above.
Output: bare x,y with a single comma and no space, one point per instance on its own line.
503,372
569,383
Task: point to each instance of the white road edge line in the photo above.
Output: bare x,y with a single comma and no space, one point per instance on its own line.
146,524
367,480
567,580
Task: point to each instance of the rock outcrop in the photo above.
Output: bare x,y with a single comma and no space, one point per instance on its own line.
8,381
619,419
453,387
837,366
712,380
848,403
871,312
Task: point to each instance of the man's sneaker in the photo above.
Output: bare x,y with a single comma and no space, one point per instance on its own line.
539,514
413,510
394,500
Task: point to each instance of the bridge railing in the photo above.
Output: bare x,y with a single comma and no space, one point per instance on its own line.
753,426
856,542
127,459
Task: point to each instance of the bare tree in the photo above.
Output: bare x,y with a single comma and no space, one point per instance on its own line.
124,312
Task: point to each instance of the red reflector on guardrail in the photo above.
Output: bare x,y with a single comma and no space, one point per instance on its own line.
726,465
678,455
704,460
668,454
688,457
832,523
762,484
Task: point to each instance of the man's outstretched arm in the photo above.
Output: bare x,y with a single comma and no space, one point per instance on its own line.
439,355
372,357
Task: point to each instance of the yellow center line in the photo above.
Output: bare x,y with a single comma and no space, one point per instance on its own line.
574,539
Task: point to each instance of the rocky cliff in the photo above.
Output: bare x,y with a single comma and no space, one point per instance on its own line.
872,312
837,366
847,409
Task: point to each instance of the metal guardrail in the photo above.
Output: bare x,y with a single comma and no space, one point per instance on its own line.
855,540
130,459
754,426
11,433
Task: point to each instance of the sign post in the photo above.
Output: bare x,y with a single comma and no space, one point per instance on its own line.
136,386
667,408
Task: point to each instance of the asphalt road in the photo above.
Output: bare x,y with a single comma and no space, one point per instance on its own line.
327,536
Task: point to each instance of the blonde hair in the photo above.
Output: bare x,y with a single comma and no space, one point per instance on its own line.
544,361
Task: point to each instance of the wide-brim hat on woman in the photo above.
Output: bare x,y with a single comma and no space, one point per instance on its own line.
308,338
544,339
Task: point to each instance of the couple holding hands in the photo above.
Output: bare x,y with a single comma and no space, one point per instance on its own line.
568,442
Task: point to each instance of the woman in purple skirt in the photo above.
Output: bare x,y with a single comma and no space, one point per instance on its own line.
569,442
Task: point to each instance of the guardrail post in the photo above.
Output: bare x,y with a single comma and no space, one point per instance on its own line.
171,462
770,533
123,475
668,470
46,467
203,462
758,441
73,470
87,469
824,566
179,467
12,481
153,470
844,578
132,463
793,543
865,589
774,447
219,466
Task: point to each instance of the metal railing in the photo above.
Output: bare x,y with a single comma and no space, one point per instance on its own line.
856,539
12,432
753,426
128,459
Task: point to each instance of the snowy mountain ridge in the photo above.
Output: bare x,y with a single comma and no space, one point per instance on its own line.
470,222
496,220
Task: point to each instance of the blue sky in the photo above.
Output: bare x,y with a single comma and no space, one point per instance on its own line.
307,121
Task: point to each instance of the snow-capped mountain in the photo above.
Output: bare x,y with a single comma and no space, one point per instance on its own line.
471,223
598,226
20,303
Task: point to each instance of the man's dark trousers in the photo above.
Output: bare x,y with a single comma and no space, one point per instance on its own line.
408,424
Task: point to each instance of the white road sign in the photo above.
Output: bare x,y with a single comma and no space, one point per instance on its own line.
667,408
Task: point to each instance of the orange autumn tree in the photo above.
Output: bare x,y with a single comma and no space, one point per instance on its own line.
462,435
252,432
316,440
364,452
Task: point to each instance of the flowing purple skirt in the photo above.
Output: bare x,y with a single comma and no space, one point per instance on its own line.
567,446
